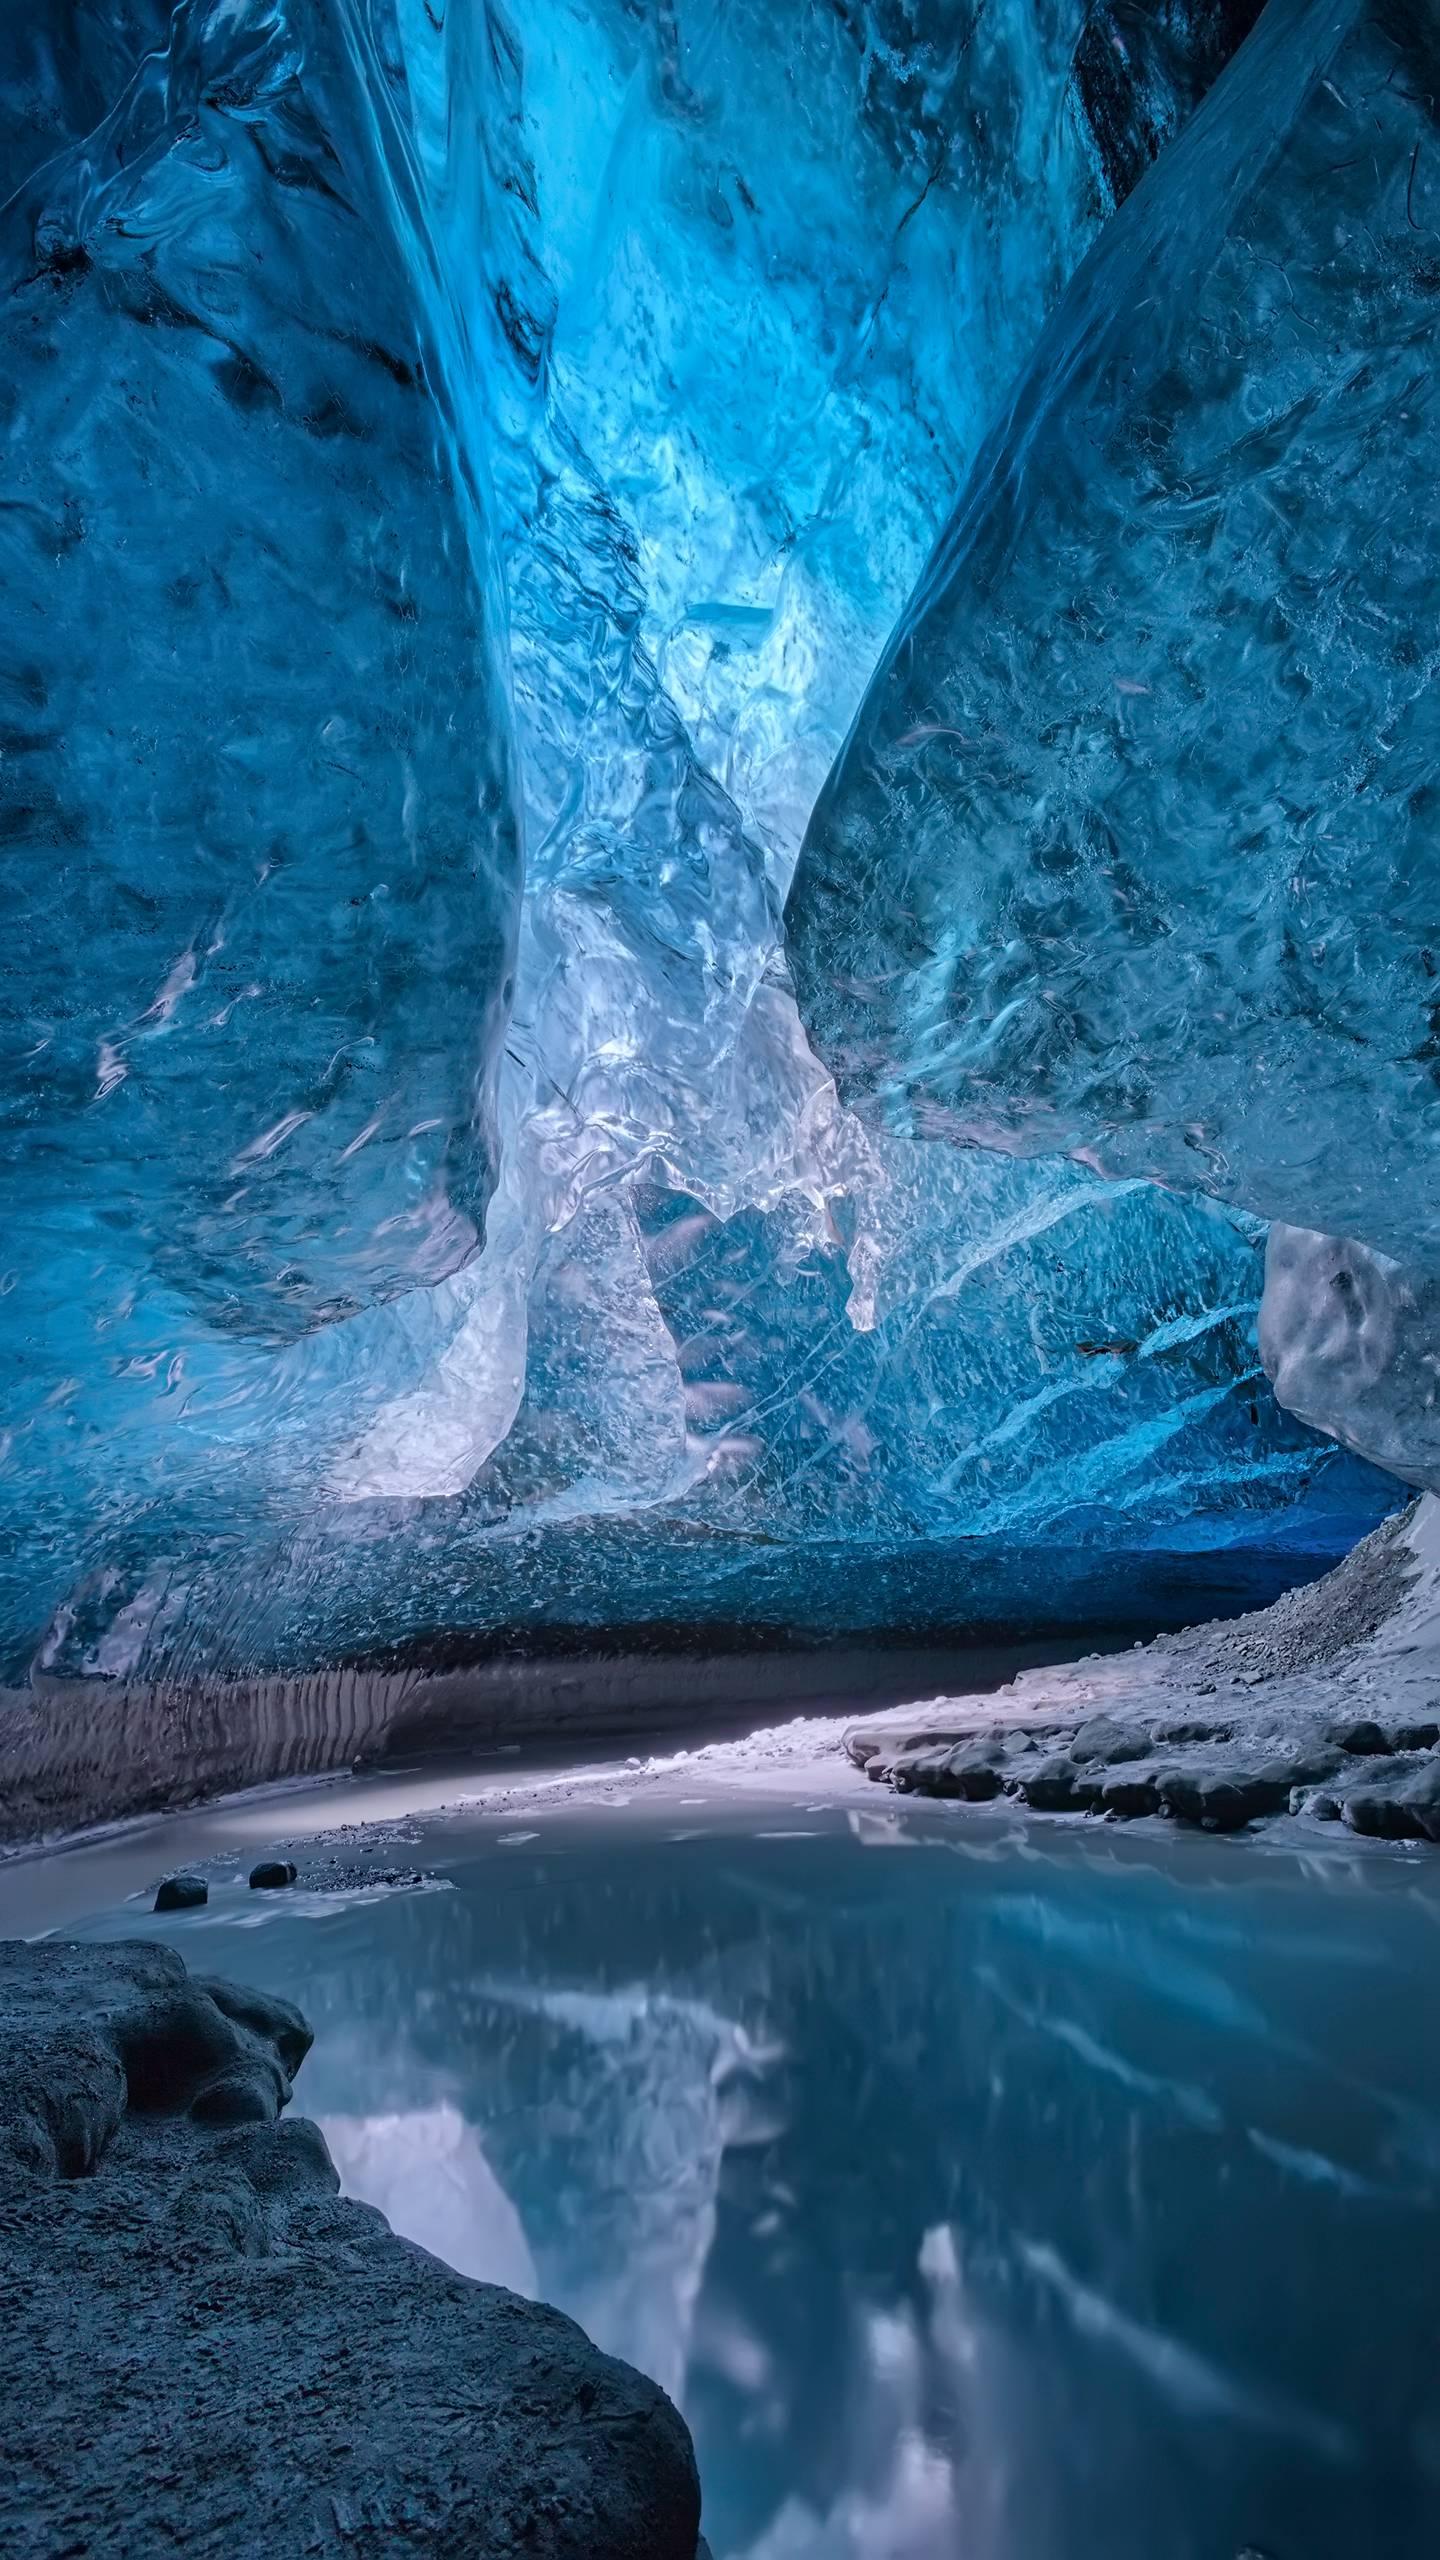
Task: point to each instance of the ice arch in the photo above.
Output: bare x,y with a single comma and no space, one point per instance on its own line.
423,427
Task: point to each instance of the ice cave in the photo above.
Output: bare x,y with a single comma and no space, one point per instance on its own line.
720,784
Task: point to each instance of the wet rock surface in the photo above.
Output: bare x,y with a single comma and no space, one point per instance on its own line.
206,2348
1325,1705
181,1893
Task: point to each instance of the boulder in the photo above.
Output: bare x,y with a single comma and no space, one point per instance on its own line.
181,1893
207,2349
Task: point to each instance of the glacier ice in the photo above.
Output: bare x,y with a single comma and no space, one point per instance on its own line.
260,806
661,1107
257,789
424,430
1129,850
1351,1342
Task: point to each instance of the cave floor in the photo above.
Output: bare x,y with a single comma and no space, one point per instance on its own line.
1026,2190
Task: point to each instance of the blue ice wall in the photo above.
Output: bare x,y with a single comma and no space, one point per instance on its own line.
257,794
354,350
766,295
258,787
1132,849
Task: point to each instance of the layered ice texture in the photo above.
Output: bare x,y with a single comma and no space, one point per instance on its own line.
257,794
1131,852
430,432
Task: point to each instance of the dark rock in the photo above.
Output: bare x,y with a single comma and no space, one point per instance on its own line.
1427,1814
247,2362
1104,1738
276,2023
1415,1737
271,1874
1223,1799
1405,1807
1231,1803
1307,1768
921,1772
975,1779
1181,1795
182,1893
235,2098
1377,1815
1056,1786
1130,1795
972,1776
1363,1738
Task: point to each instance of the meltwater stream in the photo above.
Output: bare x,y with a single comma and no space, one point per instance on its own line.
981,2191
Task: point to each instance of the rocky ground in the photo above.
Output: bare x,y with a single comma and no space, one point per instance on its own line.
1324,1705
206,2349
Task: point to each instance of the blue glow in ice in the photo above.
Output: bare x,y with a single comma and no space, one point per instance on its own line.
423,431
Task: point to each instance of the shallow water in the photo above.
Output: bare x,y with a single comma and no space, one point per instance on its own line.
982,2190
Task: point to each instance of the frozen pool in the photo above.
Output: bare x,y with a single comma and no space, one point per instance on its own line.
982,2191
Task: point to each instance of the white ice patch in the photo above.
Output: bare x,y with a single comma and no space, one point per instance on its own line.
427,2173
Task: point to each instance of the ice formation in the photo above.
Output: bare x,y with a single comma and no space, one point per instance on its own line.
1130,851
1351,1340
430,432
259,806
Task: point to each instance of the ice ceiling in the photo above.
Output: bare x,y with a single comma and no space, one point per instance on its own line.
465,473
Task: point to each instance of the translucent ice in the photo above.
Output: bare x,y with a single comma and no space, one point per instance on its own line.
1131,851
259,816
256,790
354,349
702,1287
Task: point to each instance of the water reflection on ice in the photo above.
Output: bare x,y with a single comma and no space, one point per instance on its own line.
639,2087
1028,2198
663,2088
910,2494
425,2170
